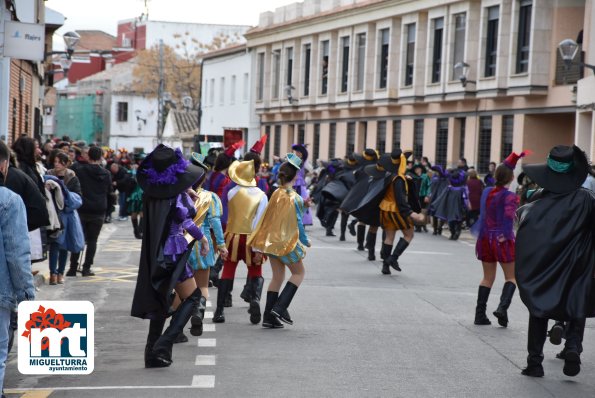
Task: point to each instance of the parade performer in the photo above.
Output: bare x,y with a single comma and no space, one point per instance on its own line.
496,241
300,183
336,186
165,177
246,204
135,199
281,236
452,207
438,186
353,199
555,253
255,154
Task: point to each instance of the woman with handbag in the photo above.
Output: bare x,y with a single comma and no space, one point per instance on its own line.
67,239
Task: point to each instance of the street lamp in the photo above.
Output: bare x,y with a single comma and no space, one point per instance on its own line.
138,114
568,49
71,39
462,70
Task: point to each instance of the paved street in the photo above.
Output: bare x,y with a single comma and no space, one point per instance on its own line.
357,333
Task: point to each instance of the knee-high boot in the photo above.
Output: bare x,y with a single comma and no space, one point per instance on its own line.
280,308
371,245
352,227
344,219
268,319
361,235
480,309
163,346
222,291
535,341
197,317
155,330
254,310
246,294
505,299
385,255
228,297
393,259
573,347
135,228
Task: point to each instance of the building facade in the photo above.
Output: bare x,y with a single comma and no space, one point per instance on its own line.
585,119
227,96
343,75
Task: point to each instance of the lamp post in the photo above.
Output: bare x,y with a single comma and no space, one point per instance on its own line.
71,39
568,49
462,70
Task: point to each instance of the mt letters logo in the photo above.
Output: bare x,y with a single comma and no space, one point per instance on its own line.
56,337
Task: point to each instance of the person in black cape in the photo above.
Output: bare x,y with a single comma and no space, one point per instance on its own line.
555,255
165,177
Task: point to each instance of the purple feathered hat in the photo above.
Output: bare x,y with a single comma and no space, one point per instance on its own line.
165,173
457,177
439,169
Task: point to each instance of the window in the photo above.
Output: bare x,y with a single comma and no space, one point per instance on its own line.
212,92
437,51
441,142
316,142
485,143
344,63
491,55
383,61
462,122
418,139
459,45
301,134
260,86
122,111
307,54
381,136
332,140
277,141
507,134
524,37
267,147
276,73
232,90
26,119
222,92
361,61
324,51
396,134
289,70
350,137
410,55
246,85
205,95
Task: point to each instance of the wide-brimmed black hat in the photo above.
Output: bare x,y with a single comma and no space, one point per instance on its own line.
368,156
375,171
391,161
565,170
164,173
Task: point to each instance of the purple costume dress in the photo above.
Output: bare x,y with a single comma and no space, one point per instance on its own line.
302,189
182,220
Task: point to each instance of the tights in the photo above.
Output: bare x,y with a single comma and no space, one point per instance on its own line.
229,270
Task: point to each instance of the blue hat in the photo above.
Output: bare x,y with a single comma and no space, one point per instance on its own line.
199,159
294,160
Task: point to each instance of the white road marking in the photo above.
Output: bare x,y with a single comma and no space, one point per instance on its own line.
203,381
205,360
467,243
408,251
207,342
208,314
209,304
208,327
22,390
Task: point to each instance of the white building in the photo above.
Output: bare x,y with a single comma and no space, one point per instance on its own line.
226,98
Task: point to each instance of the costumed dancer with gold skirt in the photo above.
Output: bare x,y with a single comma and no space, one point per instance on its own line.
281,236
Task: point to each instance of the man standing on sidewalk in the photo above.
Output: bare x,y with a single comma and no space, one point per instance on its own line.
16,281
96,186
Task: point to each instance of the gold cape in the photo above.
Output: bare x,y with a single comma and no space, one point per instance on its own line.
201,205
277,231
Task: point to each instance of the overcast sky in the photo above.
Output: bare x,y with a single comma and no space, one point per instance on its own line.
104,14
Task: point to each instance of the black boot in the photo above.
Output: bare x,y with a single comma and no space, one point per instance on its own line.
361,235
393,259
556,333
222,291
330,223
434,226
163,346
136,229
197,317
215,270
280,307
344,219
155,330
458,230
254,310
269,320
371,245
74,264
573,347
246,294
228,299
352,227
480,310
535,341
501,312
385,255
181,338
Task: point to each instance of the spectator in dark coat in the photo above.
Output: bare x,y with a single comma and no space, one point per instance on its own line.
475,187
122,181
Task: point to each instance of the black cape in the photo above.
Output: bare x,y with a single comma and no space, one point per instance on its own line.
368,210
555,255
357,191
450,205
157,277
